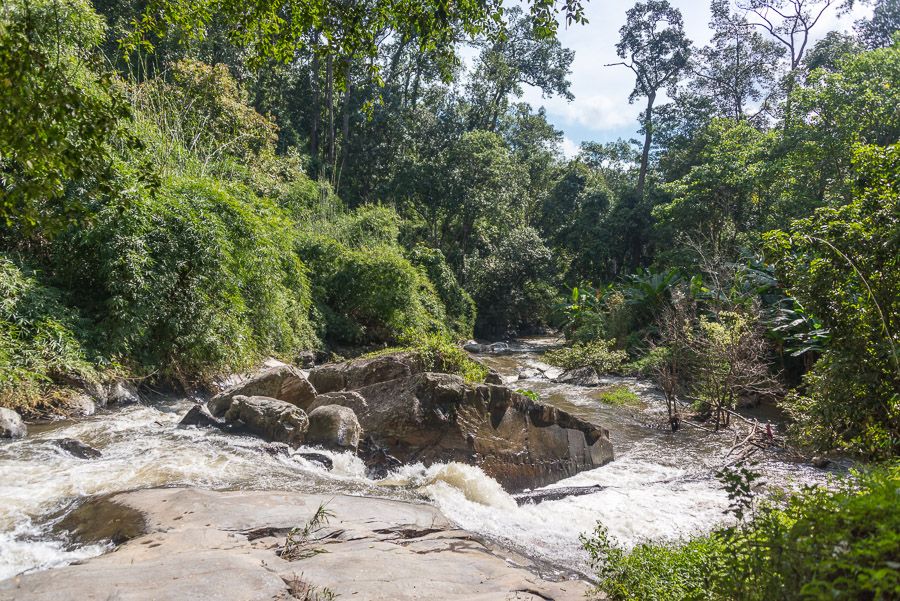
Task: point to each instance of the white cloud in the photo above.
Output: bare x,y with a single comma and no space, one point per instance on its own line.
569,148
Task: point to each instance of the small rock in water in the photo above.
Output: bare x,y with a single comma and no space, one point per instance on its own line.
277,448
323,460
580,376
475,347
200,416
821,462
78,449
11,424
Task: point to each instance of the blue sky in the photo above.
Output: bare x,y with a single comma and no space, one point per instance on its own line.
600,111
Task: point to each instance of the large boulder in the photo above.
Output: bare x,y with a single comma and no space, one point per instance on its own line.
114,393
351,375
199,416
282,382
438,418
270,419
334,427
11,424
344,398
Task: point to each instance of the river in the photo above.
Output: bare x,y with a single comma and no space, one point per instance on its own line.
661,485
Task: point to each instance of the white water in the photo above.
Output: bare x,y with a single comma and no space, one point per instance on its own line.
661,485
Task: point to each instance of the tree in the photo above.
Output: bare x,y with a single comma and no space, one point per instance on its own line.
878,32
521,56
740,65
657,51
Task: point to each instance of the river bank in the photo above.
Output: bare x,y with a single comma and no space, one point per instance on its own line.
661,485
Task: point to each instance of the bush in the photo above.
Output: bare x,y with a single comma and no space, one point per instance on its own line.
458,304
365,289
598,354
841,542
620,396
37,337
439,353
201,277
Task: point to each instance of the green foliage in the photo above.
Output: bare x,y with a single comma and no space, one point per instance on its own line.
621,395
438,352
458,305
198,278
598,354
838,265
837,542
530,394
60,110
365,289
40,337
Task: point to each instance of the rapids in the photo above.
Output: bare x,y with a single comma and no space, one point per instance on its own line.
660,486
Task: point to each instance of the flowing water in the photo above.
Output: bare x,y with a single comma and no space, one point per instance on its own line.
660,486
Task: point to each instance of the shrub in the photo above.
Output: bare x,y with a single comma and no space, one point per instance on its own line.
459,306
620,395
199,278
598,354
838,542
37,337
438,352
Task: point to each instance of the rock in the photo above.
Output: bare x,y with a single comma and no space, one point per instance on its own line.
283,382
555,494
345,398
438,418
323,460
820,462
270,419
495,378
476,347
80,405
276,449
223,546
379,463
363,372
579,376
78,449
122,393
305,359
199,416
499,347
529,374
11,424
334,427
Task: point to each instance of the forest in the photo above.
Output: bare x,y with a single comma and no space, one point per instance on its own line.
189,188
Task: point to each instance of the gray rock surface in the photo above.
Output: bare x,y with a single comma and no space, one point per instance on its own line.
345,398
270,419
521,443
580,376
284,383
122,393
334,427
78,449
11,424
223,546
351,375
81,405
199,416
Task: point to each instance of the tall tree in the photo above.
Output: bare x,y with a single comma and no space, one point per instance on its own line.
656,49
739,67
878,32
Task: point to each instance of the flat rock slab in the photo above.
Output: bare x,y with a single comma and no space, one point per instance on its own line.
224,546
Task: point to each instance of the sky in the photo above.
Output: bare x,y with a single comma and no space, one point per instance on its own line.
600,111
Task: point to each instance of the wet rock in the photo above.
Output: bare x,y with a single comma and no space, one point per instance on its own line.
499,347
351,375
432,418
580,376
270,419
80,405
334,427
379,463
116,393
529,374
283,382
820,462
100,520
11,424
345,398
276,449
77,448
200,416
323,460
555,494
476,347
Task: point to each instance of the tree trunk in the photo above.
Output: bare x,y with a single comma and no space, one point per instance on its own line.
314,133
330,94
648,138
